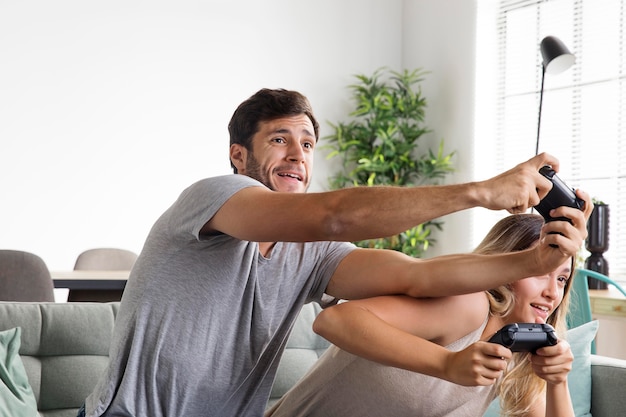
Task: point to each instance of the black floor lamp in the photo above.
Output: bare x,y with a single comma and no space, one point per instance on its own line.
556,59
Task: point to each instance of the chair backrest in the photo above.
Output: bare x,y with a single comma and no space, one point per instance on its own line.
106,259
580,305
24,276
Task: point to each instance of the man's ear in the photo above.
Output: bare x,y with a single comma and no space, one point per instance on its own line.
238,155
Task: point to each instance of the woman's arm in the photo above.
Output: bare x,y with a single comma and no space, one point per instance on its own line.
553,364
410,333
558,401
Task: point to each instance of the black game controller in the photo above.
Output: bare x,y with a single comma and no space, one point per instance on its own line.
559,195
525,337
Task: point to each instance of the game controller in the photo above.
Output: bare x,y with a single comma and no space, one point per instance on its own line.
525,337
559,195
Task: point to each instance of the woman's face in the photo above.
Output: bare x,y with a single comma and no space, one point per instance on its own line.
537,297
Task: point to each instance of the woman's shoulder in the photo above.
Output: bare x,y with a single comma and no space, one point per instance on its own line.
464,315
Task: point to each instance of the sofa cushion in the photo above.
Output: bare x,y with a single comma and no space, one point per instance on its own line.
16,396
304,347
64,349
579,379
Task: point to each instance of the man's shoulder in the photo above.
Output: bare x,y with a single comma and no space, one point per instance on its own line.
222,183
228,179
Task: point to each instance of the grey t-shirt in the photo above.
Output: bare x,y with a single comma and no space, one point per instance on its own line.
204,320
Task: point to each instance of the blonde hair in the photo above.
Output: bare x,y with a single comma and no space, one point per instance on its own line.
519,387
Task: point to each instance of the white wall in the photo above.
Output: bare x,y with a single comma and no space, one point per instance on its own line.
109,109
440,36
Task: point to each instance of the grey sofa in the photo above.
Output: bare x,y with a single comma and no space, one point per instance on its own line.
65,348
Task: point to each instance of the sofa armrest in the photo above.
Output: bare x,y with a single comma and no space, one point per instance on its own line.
608,381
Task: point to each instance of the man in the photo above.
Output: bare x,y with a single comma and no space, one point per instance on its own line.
225,270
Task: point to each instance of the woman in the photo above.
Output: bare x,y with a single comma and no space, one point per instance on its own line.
392,338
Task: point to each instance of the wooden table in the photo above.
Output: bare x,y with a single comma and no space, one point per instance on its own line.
608,302
609,308
101,286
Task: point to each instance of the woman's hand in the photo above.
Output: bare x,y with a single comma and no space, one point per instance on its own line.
553,363
479,364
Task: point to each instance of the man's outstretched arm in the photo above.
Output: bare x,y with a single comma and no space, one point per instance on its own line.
258,214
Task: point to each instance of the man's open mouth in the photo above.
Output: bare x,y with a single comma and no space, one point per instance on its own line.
290,175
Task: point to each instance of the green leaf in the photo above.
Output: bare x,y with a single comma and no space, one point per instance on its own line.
379,146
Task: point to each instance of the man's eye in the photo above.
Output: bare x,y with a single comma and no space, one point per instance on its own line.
280,140
308,145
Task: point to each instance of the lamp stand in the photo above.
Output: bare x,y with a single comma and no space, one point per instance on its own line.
543,76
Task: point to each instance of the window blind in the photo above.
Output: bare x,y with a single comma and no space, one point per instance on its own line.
584,109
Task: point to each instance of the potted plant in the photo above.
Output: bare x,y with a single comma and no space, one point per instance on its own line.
379,146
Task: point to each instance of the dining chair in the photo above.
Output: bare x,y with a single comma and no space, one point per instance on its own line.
580,304
24,276
105,259
102,259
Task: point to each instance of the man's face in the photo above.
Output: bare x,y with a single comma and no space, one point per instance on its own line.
281,156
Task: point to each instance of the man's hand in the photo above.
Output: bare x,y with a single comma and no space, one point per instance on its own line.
479,364
520,188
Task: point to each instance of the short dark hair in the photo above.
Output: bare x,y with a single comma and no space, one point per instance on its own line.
265,105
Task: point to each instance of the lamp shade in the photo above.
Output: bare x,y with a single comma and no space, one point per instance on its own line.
556,57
